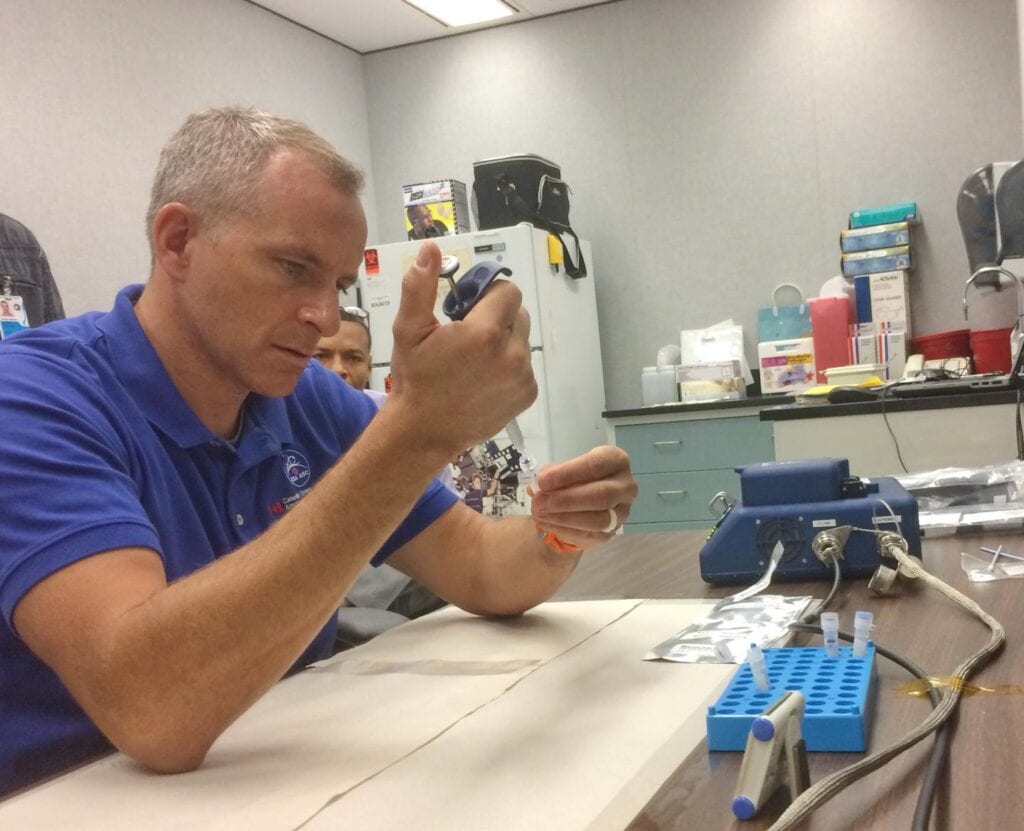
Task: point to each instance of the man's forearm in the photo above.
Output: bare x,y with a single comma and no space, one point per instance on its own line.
178,666
525,568
508,567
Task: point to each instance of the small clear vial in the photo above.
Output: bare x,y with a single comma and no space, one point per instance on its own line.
527,470
755,657
830,633
862,626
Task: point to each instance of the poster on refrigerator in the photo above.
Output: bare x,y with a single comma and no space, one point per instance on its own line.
487,477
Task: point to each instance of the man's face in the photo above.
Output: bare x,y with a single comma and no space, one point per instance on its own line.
262,289
421,219
347,352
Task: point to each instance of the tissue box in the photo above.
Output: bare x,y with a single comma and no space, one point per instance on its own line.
711,381
435,209
786,365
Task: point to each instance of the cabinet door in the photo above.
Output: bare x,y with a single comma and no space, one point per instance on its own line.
680,496
707,444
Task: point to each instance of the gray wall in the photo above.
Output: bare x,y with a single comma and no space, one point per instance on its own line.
91,89
716,147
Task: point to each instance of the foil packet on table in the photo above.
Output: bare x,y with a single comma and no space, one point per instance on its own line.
725,635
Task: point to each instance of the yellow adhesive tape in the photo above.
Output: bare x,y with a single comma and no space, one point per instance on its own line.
921,686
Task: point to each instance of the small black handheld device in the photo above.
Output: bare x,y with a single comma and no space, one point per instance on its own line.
470,286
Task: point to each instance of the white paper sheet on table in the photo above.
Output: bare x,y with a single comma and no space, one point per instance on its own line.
451,721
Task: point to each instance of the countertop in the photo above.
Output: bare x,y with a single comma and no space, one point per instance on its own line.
784,408
754,402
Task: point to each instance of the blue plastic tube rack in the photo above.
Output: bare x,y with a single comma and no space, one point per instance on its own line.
837,690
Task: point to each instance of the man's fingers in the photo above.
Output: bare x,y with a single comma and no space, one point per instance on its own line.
415,318
591,522
600,463
502,307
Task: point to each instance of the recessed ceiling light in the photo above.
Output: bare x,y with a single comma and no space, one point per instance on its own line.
463,12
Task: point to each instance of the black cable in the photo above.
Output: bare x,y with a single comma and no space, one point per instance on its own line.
821,607
940,749
885,418
1020,429
930,785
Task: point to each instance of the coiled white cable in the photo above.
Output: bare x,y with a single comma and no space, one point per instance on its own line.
831,785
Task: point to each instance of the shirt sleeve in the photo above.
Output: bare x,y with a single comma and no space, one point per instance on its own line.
66,474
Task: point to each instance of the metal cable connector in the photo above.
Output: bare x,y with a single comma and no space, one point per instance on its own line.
888,540
828,545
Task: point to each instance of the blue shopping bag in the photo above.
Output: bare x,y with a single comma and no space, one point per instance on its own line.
784,322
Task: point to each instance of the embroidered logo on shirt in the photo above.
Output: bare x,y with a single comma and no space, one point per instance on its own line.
296,468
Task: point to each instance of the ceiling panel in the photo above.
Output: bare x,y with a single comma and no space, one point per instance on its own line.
369,25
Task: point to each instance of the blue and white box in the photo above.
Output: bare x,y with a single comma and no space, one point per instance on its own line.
874,237
876,261
883,297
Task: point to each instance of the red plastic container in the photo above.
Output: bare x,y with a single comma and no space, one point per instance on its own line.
955,344
991,350
830,324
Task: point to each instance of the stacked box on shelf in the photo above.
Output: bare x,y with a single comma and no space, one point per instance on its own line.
877,255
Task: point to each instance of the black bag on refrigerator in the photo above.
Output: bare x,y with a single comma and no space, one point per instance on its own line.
527,188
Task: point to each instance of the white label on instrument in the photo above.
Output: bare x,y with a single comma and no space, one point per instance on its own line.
823,523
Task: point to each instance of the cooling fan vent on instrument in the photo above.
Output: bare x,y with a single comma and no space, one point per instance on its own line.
790,532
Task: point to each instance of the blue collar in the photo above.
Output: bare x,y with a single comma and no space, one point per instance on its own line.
266,428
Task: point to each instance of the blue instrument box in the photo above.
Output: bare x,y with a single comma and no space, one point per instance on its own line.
791,502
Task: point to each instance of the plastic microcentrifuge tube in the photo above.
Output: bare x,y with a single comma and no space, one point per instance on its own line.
755,657
830,633
862,627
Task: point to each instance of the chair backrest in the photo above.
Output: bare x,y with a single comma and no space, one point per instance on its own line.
23,260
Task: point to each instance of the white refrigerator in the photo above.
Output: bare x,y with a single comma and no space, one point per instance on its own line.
565,420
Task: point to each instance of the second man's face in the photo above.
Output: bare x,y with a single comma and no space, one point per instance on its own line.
347,352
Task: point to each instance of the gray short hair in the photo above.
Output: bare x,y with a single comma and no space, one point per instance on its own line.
213,162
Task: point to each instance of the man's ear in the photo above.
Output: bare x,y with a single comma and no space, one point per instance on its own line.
174,227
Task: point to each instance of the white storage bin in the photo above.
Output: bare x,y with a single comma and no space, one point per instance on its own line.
854,374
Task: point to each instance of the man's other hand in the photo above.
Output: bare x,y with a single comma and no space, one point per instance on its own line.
585,500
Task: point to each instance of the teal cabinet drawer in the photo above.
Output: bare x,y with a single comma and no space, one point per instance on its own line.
696,445
675,497
650,527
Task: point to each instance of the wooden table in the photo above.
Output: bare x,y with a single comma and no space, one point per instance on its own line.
981,788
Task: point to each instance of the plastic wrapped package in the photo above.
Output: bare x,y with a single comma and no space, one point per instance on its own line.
955,499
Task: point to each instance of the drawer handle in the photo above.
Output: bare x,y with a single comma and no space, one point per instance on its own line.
671,493
675,443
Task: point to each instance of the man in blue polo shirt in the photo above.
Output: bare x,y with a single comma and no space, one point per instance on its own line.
188,497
